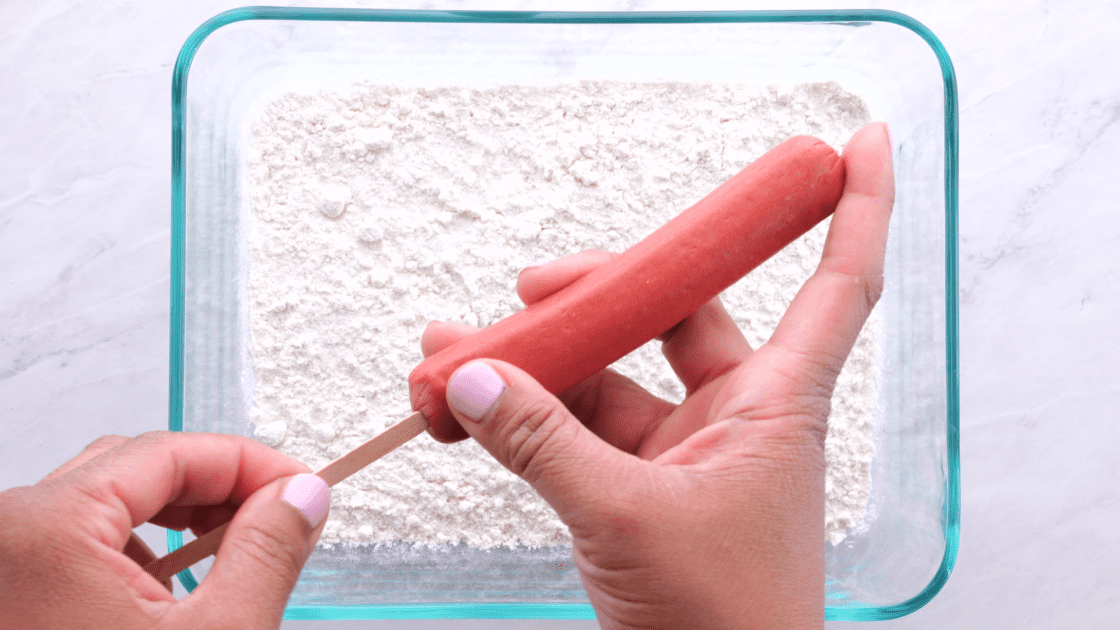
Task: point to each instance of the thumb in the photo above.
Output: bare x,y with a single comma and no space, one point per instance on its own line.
534,435
263,552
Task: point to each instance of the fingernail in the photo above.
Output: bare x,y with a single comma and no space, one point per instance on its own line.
538,264
474,389
310,495
890,137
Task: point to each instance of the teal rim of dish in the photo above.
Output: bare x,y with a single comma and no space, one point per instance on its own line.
854,17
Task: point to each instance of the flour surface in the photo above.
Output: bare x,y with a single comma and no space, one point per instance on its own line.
377,210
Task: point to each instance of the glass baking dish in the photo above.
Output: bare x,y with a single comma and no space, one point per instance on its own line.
238,61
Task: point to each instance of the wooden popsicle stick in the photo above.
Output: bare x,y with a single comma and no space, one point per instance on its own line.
374,449
196,550
334,472
140,552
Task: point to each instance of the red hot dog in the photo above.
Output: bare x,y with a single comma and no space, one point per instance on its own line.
652,286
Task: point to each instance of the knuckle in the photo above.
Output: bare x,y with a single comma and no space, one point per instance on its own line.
531,436
809,373
802,434
819,379
868,288
155,438
872,290
106,442
812,421
270,548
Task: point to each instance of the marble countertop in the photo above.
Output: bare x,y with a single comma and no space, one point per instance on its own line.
85,281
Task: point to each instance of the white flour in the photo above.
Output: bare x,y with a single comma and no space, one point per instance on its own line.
379,210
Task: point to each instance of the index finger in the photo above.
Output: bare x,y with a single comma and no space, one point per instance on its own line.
825,318
129,484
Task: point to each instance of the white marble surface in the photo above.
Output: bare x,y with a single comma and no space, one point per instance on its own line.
84,273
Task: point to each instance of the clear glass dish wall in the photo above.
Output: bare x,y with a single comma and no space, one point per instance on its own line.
237,62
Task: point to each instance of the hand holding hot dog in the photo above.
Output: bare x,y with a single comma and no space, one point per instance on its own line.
709,513
618,306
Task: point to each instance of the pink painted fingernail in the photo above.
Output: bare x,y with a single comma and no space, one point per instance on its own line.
538,264
310,495
474,389
890,137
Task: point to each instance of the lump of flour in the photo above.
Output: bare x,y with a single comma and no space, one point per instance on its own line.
333,200
377,210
